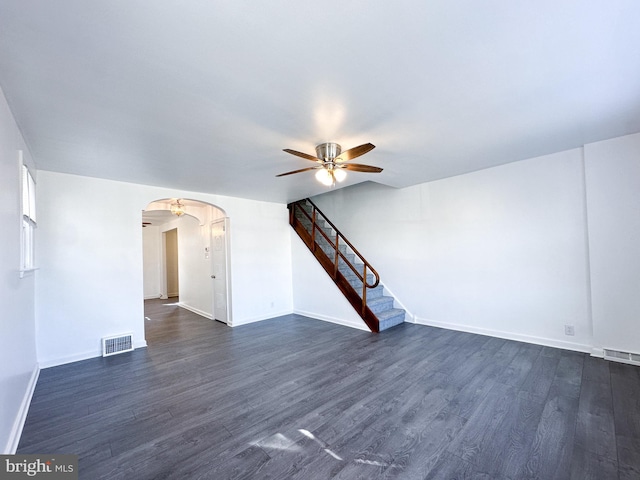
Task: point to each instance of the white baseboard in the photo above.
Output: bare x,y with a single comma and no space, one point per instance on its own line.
21,418
246,321
597,352
56,362
339,321
547,342
76,357
325,318
202,313
152,297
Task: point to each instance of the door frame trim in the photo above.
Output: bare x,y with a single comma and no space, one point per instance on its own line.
227,264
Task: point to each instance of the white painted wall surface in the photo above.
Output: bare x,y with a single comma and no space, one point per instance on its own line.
613,199
18,363
501,251
90,243
314,293
261,276
91,282
196,286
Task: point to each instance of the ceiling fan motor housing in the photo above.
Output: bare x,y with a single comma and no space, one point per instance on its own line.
328,151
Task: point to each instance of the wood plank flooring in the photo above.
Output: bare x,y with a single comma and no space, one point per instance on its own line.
297,398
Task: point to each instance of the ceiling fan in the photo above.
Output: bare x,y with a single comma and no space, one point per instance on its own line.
332,162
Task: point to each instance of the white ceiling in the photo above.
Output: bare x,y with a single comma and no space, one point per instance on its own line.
204,95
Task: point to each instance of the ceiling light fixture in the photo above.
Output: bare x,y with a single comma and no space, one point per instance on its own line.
324,177
339,174
328,175
177,208
332,162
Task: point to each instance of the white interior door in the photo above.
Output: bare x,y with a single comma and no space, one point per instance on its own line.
219,269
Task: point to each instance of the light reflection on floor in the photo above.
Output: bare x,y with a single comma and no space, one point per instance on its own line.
282,442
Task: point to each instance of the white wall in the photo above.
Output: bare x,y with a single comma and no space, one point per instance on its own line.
196,287
613,199
261,275
18,364
90,242
314,292
90,282
501,251
194,269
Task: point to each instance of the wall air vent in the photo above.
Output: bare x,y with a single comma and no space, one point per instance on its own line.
117,344
623,357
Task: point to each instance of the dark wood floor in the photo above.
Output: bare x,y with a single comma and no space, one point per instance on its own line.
295,398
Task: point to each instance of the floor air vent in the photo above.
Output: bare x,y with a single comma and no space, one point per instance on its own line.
117,344
624,357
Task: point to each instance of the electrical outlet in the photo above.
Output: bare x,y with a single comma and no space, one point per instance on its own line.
569,330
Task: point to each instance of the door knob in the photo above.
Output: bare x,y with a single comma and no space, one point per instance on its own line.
213,276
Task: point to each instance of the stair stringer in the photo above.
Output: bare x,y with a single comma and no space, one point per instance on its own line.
342,282
322,299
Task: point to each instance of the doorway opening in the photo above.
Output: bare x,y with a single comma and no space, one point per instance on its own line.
186,257
170,278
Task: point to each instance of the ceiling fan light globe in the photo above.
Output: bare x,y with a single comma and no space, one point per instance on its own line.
324,176
339,174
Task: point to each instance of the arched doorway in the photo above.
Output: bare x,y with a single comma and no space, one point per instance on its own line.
203,255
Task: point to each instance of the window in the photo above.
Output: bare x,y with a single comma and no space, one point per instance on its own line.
28,219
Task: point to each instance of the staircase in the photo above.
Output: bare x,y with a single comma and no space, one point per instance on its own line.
354,276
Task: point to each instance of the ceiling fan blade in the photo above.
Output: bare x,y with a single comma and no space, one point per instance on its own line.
355,152
298,171
302,155
357,167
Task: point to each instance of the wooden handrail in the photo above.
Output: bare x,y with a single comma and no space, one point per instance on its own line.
336,245
366,266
